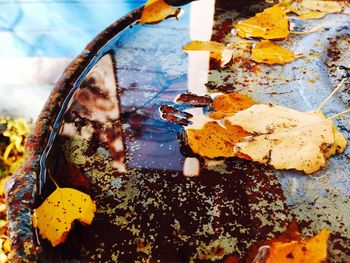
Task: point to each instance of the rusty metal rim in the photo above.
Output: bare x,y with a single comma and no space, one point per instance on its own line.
21,189
93,52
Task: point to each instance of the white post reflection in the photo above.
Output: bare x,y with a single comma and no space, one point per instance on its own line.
201,28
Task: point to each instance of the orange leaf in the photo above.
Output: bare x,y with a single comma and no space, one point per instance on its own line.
214,140
313,250
269,52
231,103
270,24
156,11
54,217
217,115
290,234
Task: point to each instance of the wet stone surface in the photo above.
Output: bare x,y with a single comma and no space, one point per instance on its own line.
115,143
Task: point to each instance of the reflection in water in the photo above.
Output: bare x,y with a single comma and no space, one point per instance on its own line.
113,136
145,212
96,104
201,27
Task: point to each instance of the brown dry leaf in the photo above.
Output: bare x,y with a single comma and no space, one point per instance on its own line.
312,15
284,138
214,140
322,6
272,23
156,11
313,250
54,217
231,103
217,50
269,52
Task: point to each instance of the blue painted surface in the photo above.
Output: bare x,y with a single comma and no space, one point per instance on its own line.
55,28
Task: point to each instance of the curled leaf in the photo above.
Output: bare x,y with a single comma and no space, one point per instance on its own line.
272,23
54,217
156,11
322,6
271,53
312,15
192,99
312,250
338,146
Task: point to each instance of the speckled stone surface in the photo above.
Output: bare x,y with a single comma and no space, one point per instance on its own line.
109,133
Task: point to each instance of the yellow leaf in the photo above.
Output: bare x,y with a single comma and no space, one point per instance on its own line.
339,144
216,49
313,250
322,6
269,52
214,140
156,11
6,246
312,15
3,182
289,7
211,46
284,138
54,217
270,24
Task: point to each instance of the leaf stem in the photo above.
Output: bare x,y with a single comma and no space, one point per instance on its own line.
312,30
339,114
53,180
331,95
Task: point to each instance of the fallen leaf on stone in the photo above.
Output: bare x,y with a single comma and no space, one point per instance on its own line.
214,47
272,23
55,216
231,103
257,251
284,138
217,50
339,144
322,6
312,15
156,11
313,250
269,52
214,140
290,6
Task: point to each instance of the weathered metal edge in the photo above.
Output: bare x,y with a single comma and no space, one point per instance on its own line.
21,188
